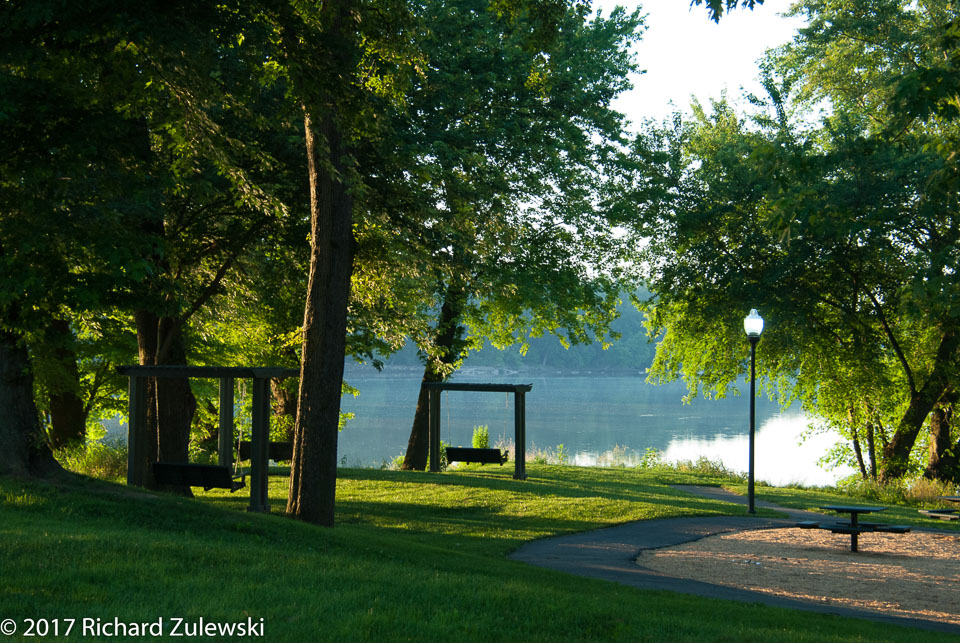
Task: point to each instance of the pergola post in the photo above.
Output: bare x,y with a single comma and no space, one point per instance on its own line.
520,433
225,442
433,395
259,445
139,454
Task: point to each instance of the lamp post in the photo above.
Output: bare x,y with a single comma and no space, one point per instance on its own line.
753,327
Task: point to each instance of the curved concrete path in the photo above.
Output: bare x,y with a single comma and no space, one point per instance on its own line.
610,554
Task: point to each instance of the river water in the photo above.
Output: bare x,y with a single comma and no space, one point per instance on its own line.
598,419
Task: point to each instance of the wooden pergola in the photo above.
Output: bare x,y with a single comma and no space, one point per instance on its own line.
519,419
141,453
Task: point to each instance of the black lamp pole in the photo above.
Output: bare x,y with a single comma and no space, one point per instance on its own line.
753,415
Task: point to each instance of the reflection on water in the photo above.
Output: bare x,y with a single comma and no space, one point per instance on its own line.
589,416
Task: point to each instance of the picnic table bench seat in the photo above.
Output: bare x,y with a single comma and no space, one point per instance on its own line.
470,454
942,514
842,528
808,524
893,529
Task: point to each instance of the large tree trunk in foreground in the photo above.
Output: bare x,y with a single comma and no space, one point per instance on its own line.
176,404
170,401
896,453
23,451
313,474
942,457
448,340
68,415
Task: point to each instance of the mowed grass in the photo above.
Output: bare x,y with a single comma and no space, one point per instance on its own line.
413,557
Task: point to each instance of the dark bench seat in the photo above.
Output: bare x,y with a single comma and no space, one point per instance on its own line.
808,524
208,476
470,454
893,529
277,451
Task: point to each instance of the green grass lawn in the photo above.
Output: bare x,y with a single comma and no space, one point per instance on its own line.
414,556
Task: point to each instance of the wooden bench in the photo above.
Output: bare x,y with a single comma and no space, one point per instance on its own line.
469,454
277,451
208,476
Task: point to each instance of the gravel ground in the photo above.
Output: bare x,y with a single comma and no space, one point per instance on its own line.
914,575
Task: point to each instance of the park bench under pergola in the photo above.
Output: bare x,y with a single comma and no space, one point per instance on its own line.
142,455
519,391
143,468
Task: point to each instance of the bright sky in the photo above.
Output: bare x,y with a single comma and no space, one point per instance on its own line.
685,53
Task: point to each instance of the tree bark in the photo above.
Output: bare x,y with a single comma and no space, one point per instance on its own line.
313,474
896,453
449,336
858,452
284,406
872,450
68,415
24,452
170,401
942,457
176,404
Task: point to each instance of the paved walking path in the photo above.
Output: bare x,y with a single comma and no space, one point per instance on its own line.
610,554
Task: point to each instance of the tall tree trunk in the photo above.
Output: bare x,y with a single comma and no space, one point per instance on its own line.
942,458
68,415
313,474
858,452
176,404
449,335
146,324
896,453
24,451
872,450
170,401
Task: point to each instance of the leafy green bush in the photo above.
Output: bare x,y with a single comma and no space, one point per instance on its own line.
481,437
652,459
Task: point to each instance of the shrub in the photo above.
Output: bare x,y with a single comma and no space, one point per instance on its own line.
562,454
652,459
481,437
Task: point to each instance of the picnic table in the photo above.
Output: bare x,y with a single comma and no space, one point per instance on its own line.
854,527
944,514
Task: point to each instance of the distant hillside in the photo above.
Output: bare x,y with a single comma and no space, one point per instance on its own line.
632,352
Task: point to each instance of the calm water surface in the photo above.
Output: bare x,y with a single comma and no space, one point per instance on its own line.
590,416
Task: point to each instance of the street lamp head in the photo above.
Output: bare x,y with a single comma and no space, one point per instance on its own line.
753,324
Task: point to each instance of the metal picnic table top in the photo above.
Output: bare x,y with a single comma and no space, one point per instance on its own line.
854,527
853,510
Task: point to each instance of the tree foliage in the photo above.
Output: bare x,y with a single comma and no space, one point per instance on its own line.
841,228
